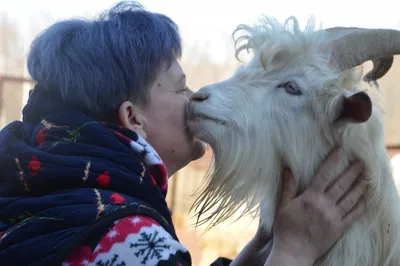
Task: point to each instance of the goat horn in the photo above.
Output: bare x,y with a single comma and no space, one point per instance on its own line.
380,67
354,46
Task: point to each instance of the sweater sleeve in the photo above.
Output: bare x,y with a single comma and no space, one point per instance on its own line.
134,240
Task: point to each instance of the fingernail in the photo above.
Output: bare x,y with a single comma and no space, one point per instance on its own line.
338,153
286,173
357,163
364,185
361,165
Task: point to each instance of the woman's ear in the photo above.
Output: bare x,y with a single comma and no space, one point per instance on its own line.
130,117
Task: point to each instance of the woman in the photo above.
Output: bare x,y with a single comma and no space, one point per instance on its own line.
85,174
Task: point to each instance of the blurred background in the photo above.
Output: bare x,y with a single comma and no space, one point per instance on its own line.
206,28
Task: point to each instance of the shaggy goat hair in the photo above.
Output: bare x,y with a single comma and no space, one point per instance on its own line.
295,100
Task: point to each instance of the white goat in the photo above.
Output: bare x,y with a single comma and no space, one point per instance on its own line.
289,106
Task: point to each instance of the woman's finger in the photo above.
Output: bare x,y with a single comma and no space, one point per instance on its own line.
326,174
288,187
345,181
352,197
354,214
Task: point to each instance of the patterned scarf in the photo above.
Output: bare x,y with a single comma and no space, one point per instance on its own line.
158,171
62,173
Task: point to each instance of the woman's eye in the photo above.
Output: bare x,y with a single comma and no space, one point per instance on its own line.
290,87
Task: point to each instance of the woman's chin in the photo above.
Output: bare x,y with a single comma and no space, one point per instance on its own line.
199,149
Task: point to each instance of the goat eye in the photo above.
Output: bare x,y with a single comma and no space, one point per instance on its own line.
291,87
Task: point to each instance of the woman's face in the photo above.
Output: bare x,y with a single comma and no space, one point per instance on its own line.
165,120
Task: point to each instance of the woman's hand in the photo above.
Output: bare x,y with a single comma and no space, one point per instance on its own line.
307,226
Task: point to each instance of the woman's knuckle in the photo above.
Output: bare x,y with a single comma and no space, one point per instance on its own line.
338,155
341,185
310,197
342,207
350,200
337,190
332,220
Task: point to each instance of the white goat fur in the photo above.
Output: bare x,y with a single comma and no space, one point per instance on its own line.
265,129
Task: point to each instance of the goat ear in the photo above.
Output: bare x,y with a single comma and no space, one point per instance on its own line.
280,57
273,60
356,108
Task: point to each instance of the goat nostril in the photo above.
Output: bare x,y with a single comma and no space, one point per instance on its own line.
199,96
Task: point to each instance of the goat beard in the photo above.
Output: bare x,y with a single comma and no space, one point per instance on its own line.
243,173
